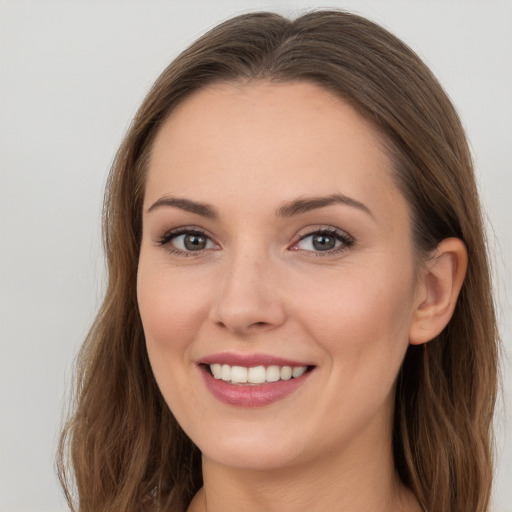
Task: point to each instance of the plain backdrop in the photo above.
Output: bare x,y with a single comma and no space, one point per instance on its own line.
72,74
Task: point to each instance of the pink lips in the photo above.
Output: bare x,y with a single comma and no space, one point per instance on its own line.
250,395
250,360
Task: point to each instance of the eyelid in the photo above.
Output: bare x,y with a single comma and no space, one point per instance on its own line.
165,240
347,241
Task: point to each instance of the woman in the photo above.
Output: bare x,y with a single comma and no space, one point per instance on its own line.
298,313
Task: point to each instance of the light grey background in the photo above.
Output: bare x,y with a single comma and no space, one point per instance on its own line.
72,74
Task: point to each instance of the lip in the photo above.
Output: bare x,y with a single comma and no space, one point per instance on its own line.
249,360
250,396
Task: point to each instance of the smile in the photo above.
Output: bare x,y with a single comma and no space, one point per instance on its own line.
257,384
255,374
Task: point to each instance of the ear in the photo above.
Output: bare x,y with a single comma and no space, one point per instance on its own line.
438,289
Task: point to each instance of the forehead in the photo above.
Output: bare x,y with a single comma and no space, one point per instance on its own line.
275,141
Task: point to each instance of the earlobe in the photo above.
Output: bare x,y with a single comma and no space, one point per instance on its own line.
439,286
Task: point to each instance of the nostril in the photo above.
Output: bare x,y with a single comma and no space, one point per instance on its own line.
246,314
258,326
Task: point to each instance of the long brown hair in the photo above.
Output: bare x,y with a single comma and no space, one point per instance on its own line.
124,445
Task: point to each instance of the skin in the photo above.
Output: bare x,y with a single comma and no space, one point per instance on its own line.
247,150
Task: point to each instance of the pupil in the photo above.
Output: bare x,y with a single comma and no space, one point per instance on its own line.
195,242
324,242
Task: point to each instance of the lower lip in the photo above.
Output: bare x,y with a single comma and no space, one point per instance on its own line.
258,395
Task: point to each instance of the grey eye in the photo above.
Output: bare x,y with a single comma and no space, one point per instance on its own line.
323,242
192,242
319,242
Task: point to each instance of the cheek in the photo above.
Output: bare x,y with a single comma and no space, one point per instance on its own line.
170,305
362,326
362,319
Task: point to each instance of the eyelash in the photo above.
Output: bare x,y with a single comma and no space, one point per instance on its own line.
346,241
166,239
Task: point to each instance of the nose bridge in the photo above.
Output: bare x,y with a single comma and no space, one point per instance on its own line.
248,297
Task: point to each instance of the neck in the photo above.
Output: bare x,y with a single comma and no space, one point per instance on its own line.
360,479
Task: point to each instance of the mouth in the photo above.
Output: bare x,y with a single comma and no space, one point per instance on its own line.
255,375
252,380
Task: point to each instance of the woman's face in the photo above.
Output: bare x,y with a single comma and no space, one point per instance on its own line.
276,249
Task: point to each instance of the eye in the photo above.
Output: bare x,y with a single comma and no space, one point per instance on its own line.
187,241
323,241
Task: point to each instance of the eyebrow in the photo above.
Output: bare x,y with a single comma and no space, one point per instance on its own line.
203,209
295,207
306,204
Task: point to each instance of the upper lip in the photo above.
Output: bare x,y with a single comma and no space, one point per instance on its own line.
249,360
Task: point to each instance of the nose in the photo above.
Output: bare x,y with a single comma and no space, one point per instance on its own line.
249,299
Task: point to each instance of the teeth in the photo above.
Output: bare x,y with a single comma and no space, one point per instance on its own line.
255,374
286,372
297,372
216,370
225,372
238,374
273,373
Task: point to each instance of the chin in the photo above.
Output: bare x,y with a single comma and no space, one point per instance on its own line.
258,452
252,460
